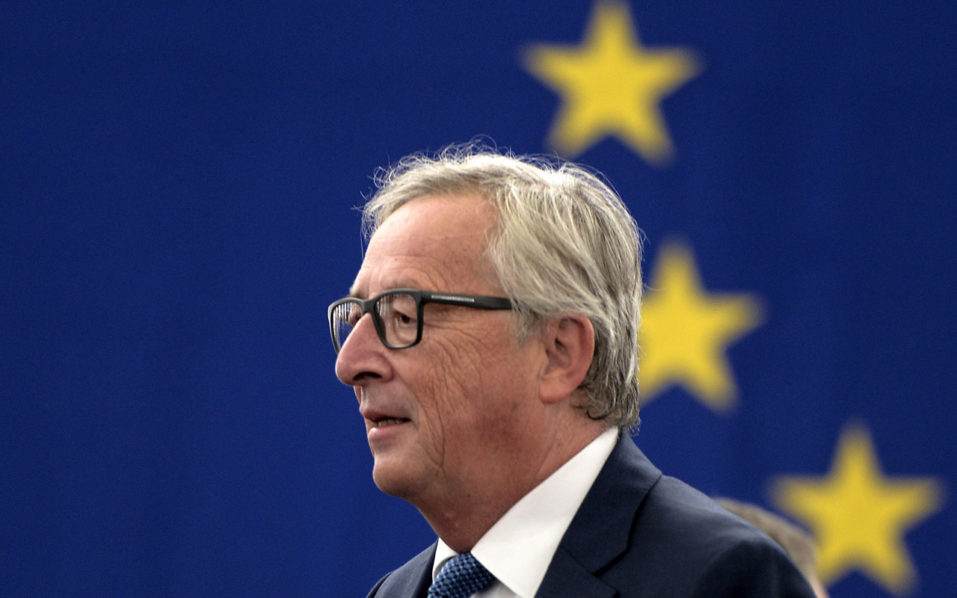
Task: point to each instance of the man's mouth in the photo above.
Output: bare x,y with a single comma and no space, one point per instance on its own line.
388,421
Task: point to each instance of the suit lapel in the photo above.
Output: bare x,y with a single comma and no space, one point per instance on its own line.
411,580
601,529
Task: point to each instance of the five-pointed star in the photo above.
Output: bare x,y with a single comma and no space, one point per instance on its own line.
858,516
611,85
684,332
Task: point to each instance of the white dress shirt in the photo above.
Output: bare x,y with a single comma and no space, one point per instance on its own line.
519,547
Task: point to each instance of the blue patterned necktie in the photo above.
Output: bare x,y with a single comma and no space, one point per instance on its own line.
460,577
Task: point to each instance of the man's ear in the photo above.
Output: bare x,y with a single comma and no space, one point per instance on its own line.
569,343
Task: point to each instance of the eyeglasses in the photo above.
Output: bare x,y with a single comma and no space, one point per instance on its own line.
397,314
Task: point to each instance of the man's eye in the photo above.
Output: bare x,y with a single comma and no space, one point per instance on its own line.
403,319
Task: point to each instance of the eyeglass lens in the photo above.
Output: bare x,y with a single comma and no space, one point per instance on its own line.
395,314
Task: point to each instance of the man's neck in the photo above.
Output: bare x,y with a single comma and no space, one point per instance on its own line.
462,517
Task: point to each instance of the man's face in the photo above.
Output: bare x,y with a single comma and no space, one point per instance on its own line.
452,411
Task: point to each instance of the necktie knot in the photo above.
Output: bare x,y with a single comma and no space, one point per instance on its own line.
460,577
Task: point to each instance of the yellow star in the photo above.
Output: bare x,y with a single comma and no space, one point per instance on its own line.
857,515
611,85
684,332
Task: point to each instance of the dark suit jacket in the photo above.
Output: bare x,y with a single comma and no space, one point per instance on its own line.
639,533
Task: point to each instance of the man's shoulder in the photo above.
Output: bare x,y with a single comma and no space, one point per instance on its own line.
673,538
685,544
675,515
411,579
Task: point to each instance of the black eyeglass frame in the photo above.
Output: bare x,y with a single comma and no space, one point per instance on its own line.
368,306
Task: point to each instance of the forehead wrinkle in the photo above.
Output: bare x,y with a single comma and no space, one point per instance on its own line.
440,249
392,271
406,276
445,260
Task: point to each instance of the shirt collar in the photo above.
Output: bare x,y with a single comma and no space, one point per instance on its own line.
518,548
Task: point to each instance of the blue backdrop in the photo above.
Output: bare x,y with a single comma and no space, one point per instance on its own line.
178,184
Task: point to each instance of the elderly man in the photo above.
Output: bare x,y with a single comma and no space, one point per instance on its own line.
491,340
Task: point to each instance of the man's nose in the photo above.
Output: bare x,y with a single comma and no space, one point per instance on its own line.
361,355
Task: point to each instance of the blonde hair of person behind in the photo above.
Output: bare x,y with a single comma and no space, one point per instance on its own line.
564,243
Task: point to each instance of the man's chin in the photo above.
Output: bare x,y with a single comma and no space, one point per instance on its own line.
391,478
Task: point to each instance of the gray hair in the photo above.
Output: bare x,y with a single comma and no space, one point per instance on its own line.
565,243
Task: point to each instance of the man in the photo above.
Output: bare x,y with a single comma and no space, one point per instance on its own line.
491,340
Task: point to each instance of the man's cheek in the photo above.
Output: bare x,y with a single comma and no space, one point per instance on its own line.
449,366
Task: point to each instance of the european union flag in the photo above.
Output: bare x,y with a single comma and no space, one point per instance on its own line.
178,185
